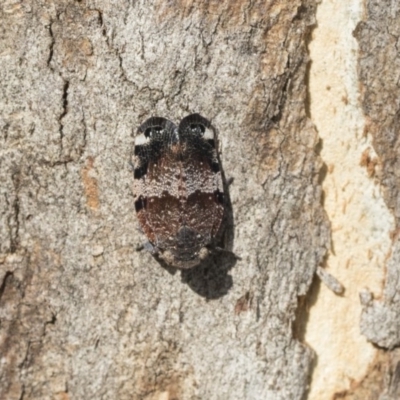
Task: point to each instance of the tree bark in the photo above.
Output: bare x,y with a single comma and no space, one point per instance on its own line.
379,64
84,312
86,315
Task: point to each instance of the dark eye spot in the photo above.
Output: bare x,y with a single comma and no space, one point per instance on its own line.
149,132
198,129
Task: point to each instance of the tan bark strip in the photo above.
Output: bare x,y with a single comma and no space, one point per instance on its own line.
361,222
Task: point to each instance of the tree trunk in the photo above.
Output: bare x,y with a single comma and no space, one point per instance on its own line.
84,312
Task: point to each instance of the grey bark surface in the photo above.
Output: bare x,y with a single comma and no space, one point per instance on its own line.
379,66
84,313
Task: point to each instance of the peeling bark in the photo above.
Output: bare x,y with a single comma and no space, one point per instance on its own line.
379,64
378,36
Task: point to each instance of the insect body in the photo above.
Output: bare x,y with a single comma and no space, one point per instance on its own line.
178,189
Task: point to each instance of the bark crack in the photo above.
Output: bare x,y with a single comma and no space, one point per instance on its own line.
6,278
51,48
13,220
64,112
65,89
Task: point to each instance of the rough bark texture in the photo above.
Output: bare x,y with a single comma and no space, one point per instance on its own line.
379,66
379,72
84,314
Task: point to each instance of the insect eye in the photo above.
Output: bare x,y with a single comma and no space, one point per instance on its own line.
150,132
198,129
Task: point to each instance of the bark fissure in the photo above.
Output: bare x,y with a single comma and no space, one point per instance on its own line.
15,214
64,112
8,275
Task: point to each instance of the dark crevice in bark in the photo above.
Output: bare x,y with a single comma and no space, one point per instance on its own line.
123,69
141,45
307,41
299,325
64,111
26,356
52,321
117,53
282,102
14,217
5,129
6,278
52,164
307,101
51,49
102,26
22,393
84,132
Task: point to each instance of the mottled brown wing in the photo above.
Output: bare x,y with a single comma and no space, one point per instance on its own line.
205,196
203,208
152,141
163,209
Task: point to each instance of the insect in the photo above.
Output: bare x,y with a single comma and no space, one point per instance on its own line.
178,190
